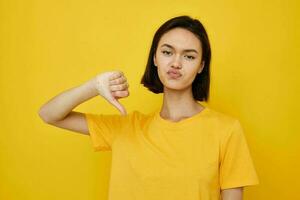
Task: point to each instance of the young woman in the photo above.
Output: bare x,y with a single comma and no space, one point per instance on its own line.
183,150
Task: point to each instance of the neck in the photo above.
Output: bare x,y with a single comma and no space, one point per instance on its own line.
179,104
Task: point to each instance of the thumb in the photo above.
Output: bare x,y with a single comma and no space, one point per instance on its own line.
119,106
106,93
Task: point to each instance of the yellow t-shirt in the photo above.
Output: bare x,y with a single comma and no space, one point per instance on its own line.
157,159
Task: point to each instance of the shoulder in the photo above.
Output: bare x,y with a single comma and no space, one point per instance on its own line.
220,117
223,122
139,117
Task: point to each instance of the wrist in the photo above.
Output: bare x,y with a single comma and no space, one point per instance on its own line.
90,86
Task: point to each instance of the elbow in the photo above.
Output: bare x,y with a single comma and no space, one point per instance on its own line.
43,115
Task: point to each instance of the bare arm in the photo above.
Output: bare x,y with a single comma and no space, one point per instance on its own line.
58,110
232,194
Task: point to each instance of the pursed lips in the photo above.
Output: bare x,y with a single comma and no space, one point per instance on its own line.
174,71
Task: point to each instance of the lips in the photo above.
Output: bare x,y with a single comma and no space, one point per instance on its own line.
174,72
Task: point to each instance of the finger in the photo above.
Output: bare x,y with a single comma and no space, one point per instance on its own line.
120,94
119,87
112,100
117,81
119,106
116,75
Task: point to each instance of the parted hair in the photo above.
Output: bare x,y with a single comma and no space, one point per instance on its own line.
200,85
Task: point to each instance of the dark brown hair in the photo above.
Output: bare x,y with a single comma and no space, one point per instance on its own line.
200,85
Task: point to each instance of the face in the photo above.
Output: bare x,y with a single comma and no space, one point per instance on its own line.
178,59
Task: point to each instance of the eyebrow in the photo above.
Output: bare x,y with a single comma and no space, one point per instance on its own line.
185,50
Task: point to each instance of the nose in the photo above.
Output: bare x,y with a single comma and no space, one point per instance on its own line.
176,62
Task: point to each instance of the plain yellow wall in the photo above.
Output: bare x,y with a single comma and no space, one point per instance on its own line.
50,46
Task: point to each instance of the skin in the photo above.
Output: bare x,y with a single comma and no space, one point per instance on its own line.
232,194
178,101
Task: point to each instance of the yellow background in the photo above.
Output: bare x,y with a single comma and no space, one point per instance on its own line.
50,46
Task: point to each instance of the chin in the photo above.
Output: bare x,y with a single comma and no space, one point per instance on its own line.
175,86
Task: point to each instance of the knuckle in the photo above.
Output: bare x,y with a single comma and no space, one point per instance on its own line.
119,72
125,93
114,88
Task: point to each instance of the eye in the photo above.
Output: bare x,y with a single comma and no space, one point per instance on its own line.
191,57
168,52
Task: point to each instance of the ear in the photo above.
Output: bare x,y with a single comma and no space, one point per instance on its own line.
202,66
154,60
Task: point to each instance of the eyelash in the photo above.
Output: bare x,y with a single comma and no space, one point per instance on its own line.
191,57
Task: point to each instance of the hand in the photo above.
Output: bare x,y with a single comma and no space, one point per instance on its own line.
112,86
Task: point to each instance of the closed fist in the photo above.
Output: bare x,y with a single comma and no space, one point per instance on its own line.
112,86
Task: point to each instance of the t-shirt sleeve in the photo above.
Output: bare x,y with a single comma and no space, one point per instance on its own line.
236,167
103,129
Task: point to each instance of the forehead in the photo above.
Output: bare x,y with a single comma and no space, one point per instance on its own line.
180,38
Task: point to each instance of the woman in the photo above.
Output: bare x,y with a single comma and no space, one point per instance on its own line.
184,150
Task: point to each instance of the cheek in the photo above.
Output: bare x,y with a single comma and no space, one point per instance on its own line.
189,75
163,60
161,74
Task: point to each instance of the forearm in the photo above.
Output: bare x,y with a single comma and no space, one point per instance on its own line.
61,105
232,194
